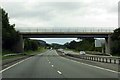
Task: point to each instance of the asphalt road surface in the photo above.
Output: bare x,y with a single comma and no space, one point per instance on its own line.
50,65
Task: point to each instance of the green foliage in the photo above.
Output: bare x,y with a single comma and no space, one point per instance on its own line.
116,47
57,46
31,44
116,34
116,42
85,44
9,35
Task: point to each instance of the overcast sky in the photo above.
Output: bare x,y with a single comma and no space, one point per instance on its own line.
62,13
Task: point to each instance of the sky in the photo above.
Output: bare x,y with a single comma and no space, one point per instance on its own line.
61,14
57,40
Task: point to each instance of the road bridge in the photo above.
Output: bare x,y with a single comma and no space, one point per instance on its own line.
85,32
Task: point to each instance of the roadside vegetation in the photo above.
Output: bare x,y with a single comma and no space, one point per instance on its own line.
26,53
116,42
32,45
38,51
87,44
10,37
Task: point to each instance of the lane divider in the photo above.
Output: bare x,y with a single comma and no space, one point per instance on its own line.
52,65
59,72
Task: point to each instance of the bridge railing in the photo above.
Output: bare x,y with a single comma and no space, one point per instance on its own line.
74,29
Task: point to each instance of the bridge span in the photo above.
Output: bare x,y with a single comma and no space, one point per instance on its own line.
65,33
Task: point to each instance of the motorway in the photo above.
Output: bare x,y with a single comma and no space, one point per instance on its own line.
50,65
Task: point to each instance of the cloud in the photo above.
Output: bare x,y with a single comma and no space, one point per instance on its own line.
65,14
77,13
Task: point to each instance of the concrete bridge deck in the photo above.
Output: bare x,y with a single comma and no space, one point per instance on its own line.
65,34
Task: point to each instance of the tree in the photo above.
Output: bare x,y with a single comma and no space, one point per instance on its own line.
9,35
85,44
57,46
116,42
116,34
31,44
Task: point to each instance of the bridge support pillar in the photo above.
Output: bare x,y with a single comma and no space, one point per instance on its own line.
108,45
19,47
103,51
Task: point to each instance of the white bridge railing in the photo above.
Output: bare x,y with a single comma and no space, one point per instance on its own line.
64,29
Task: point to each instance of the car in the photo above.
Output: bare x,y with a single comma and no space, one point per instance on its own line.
82,53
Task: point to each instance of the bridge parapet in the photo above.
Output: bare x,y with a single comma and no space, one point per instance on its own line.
69,30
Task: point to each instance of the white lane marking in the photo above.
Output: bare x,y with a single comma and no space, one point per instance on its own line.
14,65
59,72
48,60
101,68
93,66
56,52
52,65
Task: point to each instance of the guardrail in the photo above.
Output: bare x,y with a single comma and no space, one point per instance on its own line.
104,59
101,59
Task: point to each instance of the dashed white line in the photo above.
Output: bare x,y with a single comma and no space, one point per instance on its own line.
52,65
59,72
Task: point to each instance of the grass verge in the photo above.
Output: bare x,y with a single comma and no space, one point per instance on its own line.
26,53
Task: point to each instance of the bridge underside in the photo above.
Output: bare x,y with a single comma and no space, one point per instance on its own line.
65,35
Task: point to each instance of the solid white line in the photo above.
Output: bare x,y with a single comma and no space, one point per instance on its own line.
14,65
56,53
52,65
93,66
101,68
59,72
